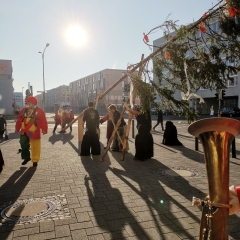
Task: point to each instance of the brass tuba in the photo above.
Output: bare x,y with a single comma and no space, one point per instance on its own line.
216,135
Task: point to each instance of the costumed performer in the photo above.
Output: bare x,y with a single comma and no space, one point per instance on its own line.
57,119
1,161
31,120
144,139
234,199
3,126
170,135
109,125
67,117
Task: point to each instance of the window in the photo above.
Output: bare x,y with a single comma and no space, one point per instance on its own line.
86,80
99,76
93,79
234,82
3,76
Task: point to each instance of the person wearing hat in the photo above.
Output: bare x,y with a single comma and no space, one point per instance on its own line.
31,120
67,117
3,125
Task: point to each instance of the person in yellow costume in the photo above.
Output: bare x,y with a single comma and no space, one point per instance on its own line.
31,120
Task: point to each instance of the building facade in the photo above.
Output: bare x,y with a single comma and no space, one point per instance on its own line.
6,87
232,97
18,100
86,89
55,98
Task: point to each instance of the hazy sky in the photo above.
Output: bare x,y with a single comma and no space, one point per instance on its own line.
114,31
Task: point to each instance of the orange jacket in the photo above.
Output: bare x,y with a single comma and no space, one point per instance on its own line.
31,125
67,117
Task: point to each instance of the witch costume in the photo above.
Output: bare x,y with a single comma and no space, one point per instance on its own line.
170,135
144,139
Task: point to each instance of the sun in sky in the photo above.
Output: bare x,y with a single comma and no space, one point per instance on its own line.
75,36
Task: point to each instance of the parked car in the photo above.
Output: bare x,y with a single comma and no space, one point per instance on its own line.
166,112
230,111
154,111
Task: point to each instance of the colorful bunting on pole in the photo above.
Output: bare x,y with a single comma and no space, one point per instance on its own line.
167,55
233,11
145,38
202,28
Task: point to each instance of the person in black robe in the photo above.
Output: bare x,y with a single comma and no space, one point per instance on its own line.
159,119
3,125
1,161
90,139
170,135
144,139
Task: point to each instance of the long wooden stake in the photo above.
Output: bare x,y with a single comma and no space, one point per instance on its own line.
98,97
173,39
113,134
125,142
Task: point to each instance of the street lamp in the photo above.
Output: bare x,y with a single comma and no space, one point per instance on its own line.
44,98
22,96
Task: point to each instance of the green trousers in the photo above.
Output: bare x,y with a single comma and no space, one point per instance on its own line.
25,146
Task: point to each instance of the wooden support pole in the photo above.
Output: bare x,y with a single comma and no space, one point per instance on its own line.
72,122
98,97
80,132
113,134
125,142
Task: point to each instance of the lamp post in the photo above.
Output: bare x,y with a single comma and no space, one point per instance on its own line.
44,93
22,96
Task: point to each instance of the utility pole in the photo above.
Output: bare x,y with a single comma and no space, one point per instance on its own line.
219,101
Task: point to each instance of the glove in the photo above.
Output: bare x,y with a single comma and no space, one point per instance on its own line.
126,106
233,200
101,121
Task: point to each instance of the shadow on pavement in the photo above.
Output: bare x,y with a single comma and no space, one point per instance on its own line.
163,207
10,192
64,137
14,135
110,211
190,153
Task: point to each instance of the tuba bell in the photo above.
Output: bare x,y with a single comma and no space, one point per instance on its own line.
216,135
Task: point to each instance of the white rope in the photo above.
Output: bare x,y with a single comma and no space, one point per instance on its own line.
188,95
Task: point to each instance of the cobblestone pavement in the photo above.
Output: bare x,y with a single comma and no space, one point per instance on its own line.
110,200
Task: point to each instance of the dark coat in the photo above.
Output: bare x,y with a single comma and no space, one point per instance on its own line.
170,135
1,161
3,123
160,116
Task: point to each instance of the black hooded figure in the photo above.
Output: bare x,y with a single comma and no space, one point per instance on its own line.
170,135
1,161
144,139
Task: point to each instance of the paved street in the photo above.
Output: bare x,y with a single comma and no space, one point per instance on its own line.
112,199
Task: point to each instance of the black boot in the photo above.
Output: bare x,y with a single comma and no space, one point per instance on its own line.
25,162
54,129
